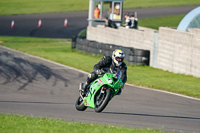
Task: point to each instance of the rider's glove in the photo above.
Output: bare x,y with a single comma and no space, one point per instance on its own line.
99,72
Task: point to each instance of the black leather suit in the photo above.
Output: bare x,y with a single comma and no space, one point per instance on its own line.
106,62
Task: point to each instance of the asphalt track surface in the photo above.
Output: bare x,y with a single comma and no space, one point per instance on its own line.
35,87
53,23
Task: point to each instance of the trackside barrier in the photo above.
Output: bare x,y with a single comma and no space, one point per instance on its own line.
170,49
133,56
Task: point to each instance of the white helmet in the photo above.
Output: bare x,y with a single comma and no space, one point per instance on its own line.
118,57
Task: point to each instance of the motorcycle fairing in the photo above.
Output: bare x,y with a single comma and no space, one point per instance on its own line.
97,85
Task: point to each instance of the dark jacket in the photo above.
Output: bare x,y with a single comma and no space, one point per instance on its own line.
106,62
111,24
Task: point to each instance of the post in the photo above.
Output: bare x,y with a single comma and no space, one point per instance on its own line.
90,14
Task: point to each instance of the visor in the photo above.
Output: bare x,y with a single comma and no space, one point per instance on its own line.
119,59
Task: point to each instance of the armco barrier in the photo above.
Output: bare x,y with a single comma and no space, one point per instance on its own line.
133,56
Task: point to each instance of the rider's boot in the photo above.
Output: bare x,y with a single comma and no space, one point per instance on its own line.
85,85
81,87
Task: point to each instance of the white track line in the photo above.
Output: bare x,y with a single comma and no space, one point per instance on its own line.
88,73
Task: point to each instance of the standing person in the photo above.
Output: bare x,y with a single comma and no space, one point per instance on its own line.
107,62
132,21
127,21
135,23
96,12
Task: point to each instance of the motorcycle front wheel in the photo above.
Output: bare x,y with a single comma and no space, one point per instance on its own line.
102,100
80,105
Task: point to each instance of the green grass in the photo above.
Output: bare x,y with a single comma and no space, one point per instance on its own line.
8,7
155,23
41,6
158,3
23,124
137,75
48,48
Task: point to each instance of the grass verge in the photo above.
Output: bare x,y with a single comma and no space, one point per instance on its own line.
158,3
23,124
137,75
11,7
167,21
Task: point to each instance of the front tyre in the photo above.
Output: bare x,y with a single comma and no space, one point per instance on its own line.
80,104
101,102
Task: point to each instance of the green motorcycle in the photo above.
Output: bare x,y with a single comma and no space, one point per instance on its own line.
100,91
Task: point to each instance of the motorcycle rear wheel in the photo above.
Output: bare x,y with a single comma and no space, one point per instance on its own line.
80,104
106,98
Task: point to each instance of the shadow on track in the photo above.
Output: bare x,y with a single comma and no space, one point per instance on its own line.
15,69
164,116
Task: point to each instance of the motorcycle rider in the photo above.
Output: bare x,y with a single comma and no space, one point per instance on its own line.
116,61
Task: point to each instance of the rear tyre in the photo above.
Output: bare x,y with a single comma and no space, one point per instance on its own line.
101,102
80,104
